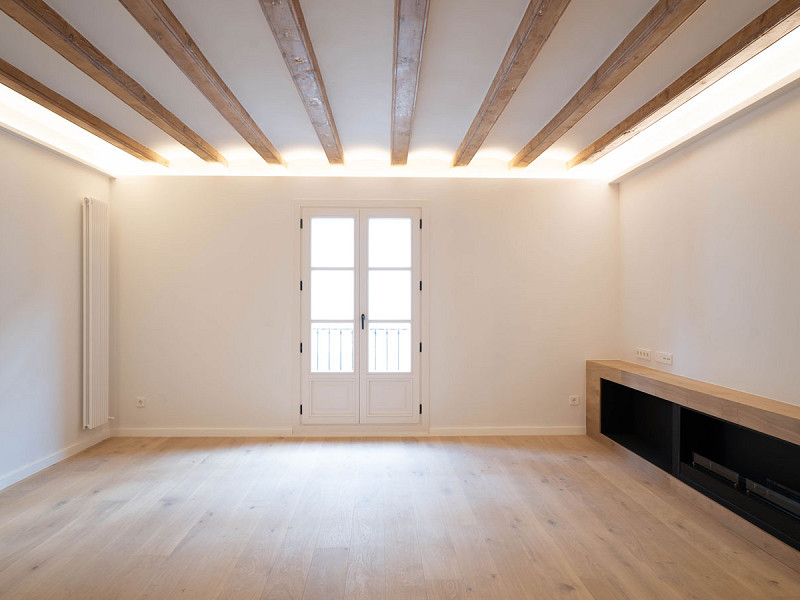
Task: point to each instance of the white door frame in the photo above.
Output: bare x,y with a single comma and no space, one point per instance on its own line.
387,429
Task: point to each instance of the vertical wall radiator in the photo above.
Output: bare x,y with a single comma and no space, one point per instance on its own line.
95,313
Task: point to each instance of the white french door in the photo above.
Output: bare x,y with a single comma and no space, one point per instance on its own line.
361,306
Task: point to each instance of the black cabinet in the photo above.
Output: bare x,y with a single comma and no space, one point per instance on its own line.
642,423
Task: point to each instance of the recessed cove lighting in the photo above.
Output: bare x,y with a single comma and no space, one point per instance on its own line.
30,120
772,69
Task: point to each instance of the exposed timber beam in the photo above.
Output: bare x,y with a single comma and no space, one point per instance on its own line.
27,86
410,19
286,20
662,20
766,29
46,24
538,22
164,27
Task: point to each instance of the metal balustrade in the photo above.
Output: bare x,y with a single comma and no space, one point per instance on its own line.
331,349
389,348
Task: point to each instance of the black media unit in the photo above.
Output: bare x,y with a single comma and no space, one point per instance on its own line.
751,473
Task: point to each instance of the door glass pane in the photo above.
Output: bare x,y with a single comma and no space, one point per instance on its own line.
332,296
390,242
331,347
389,347
332,242
389,295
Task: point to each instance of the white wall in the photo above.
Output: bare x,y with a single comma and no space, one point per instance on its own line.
523,286
40,305
711,255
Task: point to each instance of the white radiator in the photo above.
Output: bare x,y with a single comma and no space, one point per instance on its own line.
95,313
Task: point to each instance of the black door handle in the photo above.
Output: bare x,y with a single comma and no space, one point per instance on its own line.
362,321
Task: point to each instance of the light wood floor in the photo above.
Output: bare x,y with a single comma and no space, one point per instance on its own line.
504,518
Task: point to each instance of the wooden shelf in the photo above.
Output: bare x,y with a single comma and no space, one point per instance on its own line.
768,416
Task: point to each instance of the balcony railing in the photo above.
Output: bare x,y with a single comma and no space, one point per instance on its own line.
331,349
388,348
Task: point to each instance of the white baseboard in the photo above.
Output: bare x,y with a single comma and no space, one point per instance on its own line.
202,432
561,430
95,437
355,431
327,431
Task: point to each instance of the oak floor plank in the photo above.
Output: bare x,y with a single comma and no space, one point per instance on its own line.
282,479
327,575
405,579
287,578
366,568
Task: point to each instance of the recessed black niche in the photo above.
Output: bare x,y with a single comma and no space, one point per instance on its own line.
640,422
753,474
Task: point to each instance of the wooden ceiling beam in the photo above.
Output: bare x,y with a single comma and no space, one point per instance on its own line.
286,21
766,29
27,86
46,24
662,20
167,31
538,22
410,20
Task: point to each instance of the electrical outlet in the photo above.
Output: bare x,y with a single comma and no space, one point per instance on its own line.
664,358
574,400
141,402
642,354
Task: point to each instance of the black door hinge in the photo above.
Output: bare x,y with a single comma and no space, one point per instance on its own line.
420,286
420,346
301,409
301,285
301,223
420,223
420,409
301,347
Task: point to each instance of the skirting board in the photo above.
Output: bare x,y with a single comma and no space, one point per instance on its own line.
97,436
201,432
256,432
476,431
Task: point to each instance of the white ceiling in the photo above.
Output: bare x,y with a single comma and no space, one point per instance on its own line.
464,44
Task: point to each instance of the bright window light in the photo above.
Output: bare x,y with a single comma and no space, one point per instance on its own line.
775,67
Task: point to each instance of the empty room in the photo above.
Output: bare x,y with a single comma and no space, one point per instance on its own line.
399,299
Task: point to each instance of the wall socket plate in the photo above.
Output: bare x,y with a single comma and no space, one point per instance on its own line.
642,354
141,402
664,358
574,400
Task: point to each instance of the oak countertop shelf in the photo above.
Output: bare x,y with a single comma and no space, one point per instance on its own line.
772,417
